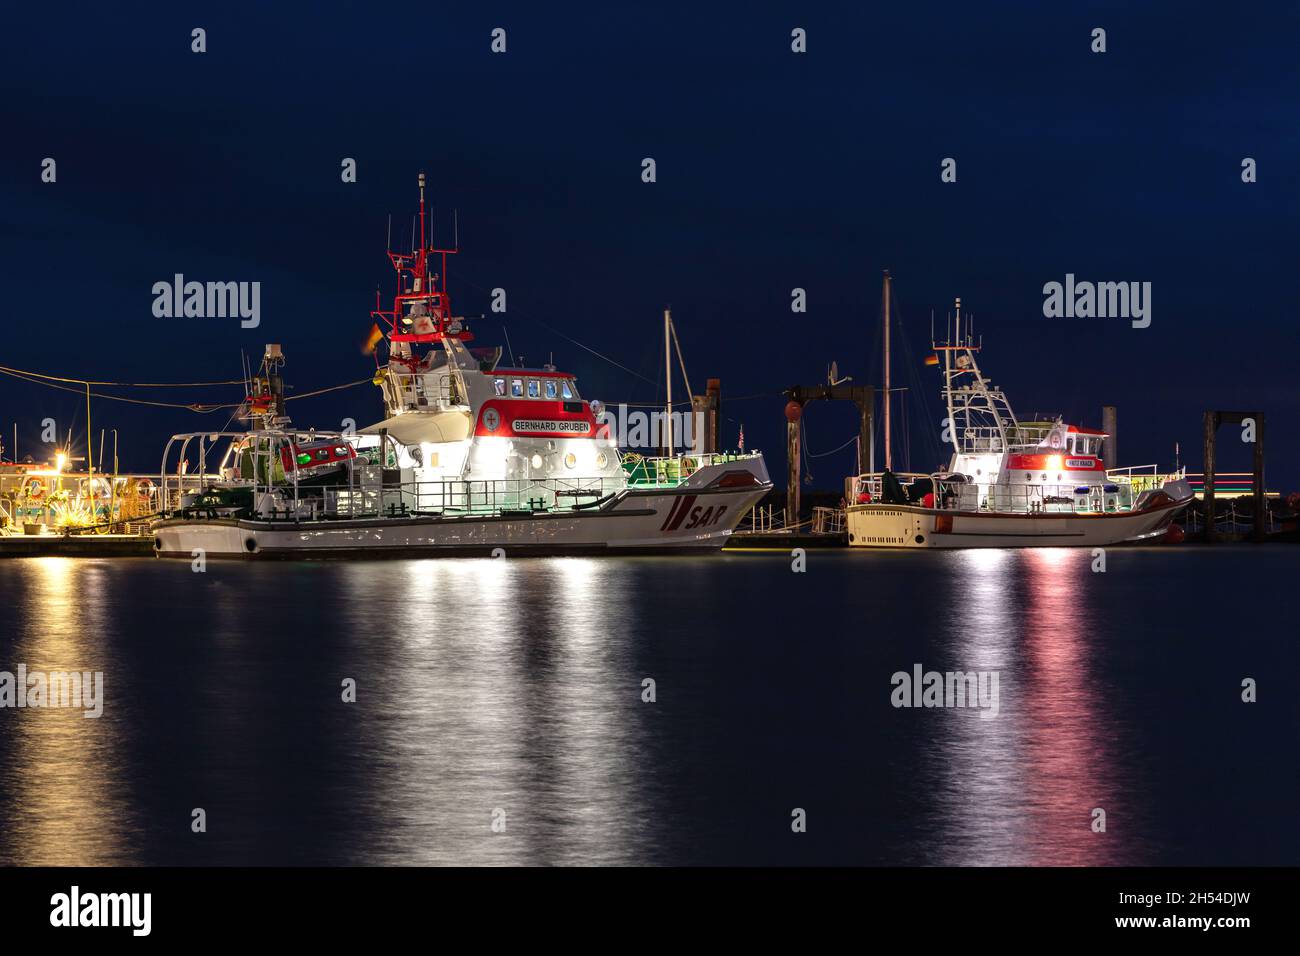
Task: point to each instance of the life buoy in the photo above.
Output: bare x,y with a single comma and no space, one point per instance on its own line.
144,487
35,489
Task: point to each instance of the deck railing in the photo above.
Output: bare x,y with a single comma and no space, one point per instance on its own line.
827,520
670,472
434,389
948,495
399,499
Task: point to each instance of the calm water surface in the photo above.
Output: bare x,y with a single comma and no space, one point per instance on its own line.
516,686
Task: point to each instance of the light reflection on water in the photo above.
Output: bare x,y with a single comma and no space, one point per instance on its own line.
504,701
65,798
1019,789
514,685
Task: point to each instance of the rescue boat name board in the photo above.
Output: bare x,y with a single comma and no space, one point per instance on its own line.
541,425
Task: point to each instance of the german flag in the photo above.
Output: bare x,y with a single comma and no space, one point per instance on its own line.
932,360
373,339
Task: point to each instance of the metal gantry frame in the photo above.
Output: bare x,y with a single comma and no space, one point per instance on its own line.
274,439
1211,422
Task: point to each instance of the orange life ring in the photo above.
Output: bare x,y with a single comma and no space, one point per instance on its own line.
144,487
35,489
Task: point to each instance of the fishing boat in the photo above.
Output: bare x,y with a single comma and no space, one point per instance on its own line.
470,458
1008,483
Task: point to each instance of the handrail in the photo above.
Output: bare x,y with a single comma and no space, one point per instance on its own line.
402,499
422,392
971,496
659,470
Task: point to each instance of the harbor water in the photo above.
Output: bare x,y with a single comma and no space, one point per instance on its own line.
719,710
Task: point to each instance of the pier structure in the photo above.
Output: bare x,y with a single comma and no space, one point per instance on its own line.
863,396
1212,421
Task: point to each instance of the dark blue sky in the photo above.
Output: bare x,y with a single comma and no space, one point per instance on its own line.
774,170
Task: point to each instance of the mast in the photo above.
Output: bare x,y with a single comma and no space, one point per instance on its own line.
421,312
949,374
889,458
668,377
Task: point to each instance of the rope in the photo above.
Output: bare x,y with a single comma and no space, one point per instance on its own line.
82,381
200,407
194,407
833,450
332,388
567,338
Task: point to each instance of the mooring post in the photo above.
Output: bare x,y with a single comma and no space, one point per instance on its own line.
793,412
866,425
1260,531
1211,426
1110,425
713,392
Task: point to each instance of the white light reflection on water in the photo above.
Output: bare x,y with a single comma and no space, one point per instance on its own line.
504,695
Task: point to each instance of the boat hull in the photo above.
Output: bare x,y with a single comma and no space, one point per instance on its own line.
908,526
633,521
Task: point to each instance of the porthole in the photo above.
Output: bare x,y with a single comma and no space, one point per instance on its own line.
570,460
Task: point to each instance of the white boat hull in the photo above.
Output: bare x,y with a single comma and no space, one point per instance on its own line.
693,516
908,526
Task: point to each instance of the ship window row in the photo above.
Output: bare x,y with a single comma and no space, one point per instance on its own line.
535,388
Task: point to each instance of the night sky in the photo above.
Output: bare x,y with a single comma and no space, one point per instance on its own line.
775,170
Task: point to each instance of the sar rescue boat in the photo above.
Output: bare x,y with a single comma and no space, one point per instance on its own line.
470,458
1010,483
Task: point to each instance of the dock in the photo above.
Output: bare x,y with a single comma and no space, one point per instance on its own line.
784,540
76,546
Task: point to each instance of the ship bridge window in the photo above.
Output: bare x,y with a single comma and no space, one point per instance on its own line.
568,389
534,390
499,386
550,389
517,387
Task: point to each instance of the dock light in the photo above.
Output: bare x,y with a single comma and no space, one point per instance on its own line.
1053,462
59,461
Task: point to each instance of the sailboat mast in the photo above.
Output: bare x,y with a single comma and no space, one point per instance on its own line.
668,377
889,458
